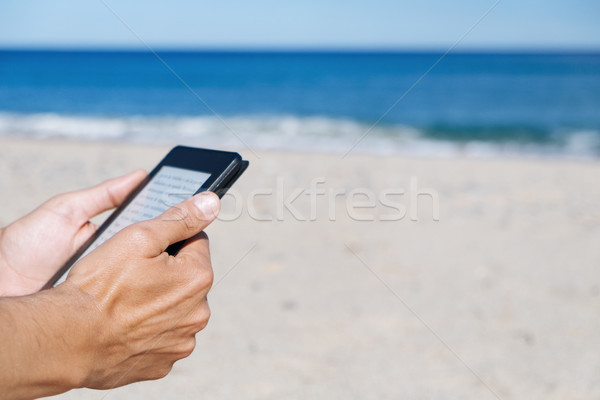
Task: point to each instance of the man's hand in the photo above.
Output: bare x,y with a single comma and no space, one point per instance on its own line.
34,247
150,304
126,313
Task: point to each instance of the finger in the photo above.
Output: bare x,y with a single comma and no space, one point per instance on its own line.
197,318
84,234
195,254
193,268
178,223
109,194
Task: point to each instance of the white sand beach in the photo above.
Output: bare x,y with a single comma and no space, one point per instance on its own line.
497,299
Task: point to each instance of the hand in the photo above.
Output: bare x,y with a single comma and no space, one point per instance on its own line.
147,305
34,247
126,312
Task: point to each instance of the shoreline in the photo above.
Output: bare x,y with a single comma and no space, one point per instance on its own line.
311,133
248,151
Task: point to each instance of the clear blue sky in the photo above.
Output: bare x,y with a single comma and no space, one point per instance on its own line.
301,24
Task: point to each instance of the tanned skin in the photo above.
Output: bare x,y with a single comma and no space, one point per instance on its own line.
126,312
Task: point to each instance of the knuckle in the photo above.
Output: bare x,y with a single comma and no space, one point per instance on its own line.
182,215
59,199
139,233
210,277
186,347
62,203
161,372
204,322
201,278
177,213
202,318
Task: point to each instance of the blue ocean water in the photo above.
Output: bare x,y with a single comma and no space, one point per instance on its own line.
470,102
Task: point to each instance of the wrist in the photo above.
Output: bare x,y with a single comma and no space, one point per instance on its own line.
46,343
82,324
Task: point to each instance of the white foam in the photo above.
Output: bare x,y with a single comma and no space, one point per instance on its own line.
323,134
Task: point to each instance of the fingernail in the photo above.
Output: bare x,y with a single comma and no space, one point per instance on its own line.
208,203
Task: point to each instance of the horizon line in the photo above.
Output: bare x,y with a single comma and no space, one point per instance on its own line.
306,49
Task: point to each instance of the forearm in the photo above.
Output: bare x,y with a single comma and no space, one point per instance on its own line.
43,343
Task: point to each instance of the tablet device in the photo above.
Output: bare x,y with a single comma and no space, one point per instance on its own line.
184,172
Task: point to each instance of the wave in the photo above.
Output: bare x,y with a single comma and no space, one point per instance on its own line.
323,134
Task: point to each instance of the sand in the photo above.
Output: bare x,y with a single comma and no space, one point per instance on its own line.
497,299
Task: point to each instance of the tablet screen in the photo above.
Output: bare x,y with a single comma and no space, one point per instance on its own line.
169,186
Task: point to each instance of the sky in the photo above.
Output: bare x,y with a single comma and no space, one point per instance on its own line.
307,24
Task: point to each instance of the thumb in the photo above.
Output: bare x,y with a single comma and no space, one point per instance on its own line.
87,203
179,222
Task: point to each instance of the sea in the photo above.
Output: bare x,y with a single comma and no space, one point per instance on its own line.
424,103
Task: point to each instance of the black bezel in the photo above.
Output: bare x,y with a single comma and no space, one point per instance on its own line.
224,168
218,164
